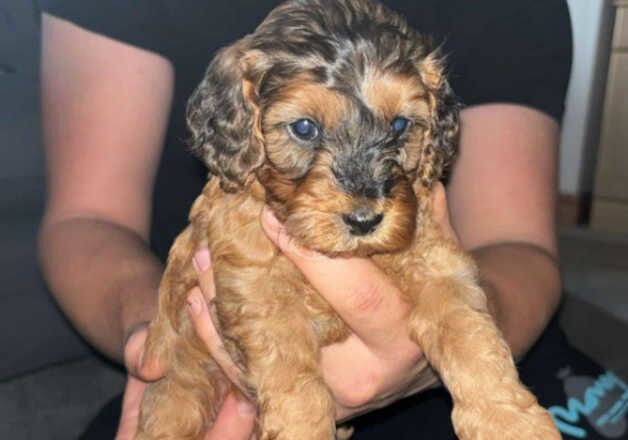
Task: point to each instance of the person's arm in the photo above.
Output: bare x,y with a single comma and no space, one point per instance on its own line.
104,108
501,198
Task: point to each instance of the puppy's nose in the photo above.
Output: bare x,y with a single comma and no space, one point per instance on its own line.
362,221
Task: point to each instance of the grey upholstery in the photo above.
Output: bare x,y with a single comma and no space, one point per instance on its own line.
33,332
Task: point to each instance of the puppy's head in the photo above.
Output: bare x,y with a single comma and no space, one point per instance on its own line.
337,108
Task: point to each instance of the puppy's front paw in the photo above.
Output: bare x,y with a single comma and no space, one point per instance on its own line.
515,420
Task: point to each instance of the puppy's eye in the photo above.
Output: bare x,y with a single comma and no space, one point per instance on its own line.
304,129
399,124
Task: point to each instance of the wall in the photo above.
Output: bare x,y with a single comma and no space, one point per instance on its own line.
592,28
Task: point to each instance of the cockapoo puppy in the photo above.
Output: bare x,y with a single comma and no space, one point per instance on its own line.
339,117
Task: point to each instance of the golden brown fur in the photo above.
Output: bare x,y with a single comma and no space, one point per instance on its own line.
352,84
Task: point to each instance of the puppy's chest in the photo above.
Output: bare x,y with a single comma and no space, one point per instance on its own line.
273,294
274,291
254,281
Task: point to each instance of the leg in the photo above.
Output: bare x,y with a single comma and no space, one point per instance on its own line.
461,341
183,404
179,407
283,367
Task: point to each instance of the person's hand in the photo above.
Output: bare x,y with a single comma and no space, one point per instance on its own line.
378,363
236,418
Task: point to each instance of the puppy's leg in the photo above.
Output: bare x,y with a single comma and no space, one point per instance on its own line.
183,404
282,355
461,341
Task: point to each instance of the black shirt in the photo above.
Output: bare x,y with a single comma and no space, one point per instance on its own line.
498,51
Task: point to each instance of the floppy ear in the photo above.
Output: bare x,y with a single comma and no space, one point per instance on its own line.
441,142
224,119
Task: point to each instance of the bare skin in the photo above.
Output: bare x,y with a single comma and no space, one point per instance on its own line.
501,198
103,130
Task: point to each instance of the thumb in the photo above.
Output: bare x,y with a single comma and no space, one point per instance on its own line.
359,291
135,360
129,417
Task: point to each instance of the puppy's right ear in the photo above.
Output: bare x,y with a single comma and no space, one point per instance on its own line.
223,117
444,128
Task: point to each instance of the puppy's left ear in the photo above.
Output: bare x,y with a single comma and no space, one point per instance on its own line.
224,118
441,143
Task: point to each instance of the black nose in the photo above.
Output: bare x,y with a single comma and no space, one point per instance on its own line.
362,221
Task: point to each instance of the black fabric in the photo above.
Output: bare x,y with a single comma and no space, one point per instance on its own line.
561,377
587,401
498,51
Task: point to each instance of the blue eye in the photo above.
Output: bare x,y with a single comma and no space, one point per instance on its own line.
399,124
304,129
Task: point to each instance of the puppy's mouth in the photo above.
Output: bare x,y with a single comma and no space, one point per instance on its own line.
333,222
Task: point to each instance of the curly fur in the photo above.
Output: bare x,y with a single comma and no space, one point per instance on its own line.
352,67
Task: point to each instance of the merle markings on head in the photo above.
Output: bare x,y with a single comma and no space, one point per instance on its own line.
337,108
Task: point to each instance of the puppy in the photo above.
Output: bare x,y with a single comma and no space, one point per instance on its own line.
338,116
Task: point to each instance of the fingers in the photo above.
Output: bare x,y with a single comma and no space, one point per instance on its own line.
138,365
130,409
365,298
202,264
205,322
206,331
235,421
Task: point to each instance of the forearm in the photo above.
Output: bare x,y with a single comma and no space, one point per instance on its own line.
522,283
102,275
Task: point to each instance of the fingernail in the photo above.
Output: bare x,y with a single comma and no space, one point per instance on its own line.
270,219
194,303
245,408
202,260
